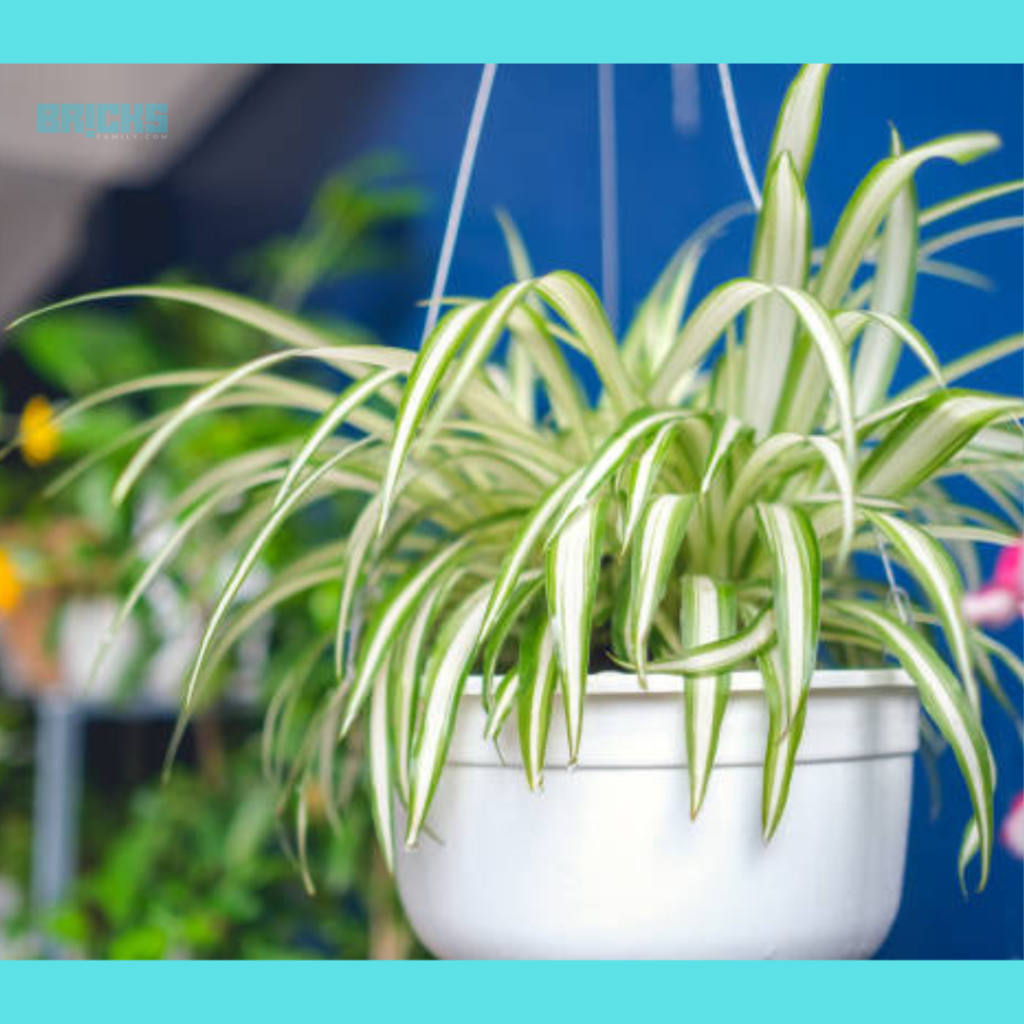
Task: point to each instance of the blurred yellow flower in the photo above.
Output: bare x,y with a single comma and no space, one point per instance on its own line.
10,585
40,436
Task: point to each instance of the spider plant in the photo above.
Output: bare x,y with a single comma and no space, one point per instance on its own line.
709,510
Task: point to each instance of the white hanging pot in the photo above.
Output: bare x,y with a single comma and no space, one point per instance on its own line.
606,863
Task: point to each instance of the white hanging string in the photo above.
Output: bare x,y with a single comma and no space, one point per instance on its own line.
685,98
609,193
444,262
737,134
898,597
451,231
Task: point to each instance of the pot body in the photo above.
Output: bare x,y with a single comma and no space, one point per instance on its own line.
605,862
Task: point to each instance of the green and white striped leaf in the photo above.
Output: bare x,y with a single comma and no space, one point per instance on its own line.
573,565
391,616
896,330
783,744
249,558
832,456
477,344
965,365
640,478
782,248
804,392
934,569
707,614
158,561
420,390
517,605
534,528
702,329
873,200
504,701
521,373
537,675
796,131
351,398
957,204
652,565
446,677
610,457
928,436
575,302
770,463
360,541
892,292
656,325
289,329
381,775
542,362
201,400
722,655
727,432
796,587
946,703
406,667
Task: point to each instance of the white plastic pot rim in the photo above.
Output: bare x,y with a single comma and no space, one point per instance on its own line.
619,684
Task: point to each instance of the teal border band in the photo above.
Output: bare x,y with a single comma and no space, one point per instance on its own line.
130,31
525,30
174,993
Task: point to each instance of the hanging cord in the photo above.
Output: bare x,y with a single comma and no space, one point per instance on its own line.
685,98
444,262
451,231
737,134
898,597
609,193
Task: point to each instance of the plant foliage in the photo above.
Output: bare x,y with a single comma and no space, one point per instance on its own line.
706,511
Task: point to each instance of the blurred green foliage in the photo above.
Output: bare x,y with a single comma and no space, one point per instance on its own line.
202,866
194,868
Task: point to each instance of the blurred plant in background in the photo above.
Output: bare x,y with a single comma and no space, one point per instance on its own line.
173,873
194,869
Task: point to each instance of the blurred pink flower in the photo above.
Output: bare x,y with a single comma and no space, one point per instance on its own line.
1001,600
1012,832
997,604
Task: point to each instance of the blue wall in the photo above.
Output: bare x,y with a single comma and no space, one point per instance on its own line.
538,159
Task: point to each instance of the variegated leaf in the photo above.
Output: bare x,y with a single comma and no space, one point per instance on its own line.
946,703
652,564
707,614
641,475
873,200
391,616
796,131
784,735
781,256
722,655
610,457
934,569
927,436
446,676
249,558
504,701
381,773
537,675
351,398
517,605
796,585
892,292
573,565
406,667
